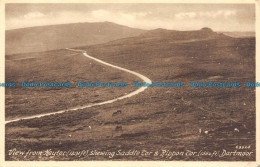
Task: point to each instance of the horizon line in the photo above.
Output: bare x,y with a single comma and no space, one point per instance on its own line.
120,25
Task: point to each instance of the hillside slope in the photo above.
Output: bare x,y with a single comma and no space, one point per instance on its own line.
43,38
164,36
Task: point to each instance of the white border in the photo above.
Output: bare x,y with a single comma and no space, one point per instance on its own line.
4,163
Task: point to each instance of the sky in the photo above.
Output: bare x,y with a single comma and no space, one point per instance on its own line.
219,17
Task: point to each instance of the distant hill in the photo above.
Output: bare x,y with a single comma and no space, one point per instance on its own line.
43,38
240,34
171,36
204,33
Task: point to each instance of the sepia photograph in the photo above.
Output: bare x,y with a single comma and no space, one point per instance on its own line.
129,82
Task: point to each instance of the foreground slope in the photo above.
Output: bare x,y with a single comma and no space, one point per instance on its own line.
61,66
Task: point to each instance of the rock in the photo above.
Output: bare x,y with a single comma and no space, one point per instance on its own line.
117,112
118,128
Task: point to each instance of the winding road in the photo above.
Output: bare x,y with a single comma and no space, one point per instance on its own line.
141,89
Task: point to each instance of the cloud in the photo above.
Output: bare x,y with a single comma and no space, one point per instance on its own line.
33,15
211,14
230,13
104,15
184,15
206,14
219,13
100,13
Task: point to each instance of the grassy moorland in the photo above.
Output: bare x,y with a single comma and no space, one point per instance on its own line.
176,119
59,67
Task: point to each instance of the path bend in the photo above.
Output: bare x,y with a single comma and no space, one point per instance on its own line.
141,89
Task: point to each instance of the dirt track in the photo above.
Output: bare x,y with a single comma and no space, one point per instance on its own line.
144,78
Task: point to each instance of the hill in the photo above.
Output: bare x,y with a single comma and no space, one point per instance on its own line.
183,35
172,36
240,34
43,38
